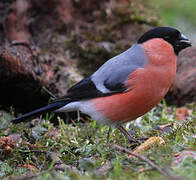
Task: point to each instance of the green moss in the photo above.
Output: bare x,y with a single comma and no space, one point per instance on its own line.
88,147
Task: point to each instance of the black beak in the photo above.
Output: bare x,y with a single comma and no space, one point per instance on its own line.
184,41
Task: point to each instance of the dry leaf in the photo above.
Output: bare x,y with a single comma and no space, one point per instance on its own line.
6,144
181,113
147,144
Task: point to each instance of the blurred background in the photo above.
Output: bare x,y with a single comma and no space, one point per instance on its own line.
46,46
179,14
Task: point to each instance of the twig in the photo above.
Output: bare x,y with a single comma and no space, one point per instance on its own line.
49,92
149,162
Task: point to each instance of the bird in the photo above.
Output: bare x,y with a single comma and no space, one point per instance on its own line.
126,86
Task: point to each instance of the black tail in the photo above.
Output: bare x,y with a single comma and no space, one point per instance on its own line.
37,112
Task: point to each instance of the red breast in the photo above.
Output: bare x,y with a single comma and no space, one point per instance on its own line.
146,86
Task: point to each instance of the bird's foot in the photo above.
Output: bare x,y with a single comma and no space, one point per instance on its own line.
137,140
130,138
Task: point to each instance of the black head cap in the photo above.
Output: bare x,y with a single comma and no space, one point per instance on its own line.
171,35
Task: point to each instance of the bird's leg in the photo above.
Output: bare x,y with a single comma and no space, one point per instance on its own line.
128,135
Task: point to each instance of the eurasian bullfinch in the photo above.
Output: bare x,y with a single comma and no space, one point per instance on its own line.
128,85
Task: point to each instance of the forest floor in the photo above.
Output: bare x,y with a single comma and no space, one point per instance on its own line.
86,150
79,150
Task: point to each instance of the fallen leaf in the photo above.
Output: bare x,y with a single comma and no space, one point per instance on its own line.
147,144
6,144
182,113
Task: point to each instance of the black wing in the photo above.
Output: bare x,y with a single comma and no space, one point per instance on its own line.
86,89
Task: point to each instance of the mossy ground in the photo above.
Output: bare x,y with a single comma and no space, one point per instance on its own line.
88,147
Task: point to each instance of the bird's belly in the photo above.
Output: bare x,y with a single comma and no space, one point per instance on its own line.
125,107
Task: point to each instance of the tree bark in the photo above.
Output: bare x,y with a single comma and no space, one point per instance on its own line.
20,78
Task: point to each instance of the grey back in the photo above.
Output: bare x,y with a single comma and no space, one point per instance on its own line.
113,73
